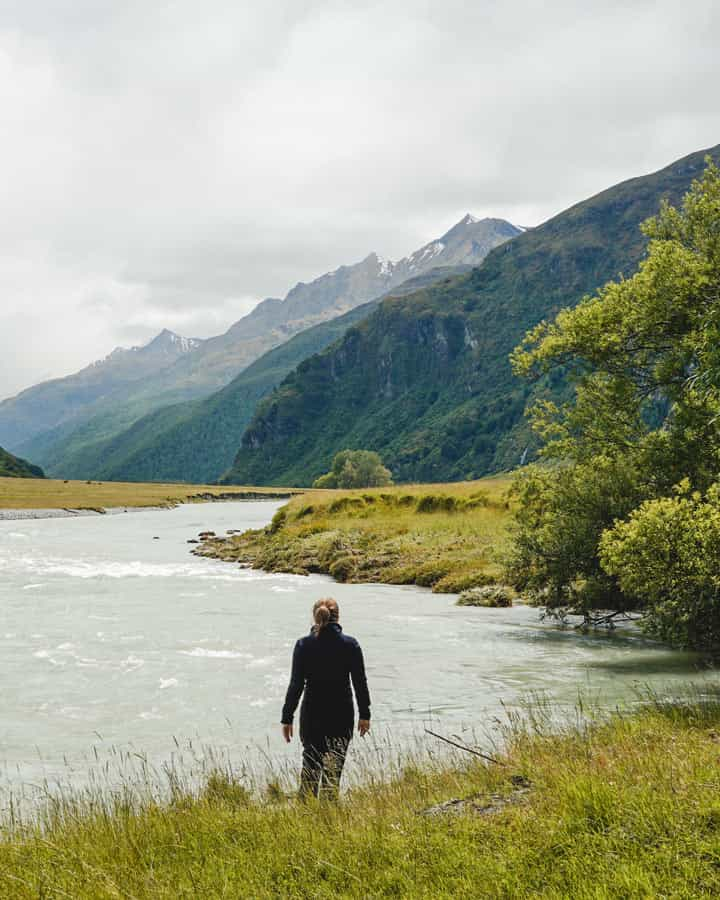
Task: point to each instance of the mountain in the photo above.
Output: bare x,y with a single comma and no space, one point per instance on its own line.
13,467
198,441
63,401
76,446
425,379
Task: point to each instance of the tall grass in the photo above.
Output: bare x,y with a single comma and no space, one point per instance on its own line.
626,807
447,537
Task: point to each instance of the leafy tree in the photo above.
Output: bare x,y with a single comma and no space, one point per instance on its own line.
355,469
666,556
644,354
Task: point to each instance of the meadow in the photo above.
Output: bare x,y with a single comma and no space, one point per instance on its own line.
627,807
45,493
448,537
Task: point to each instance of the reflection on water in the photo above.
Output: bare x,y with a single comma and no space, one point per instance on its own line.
113,639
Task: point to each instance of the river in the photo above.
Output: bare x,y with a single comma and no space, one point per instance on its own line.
114,639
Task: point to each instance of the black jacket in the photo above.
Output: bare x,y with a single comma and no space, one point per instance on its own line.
323,665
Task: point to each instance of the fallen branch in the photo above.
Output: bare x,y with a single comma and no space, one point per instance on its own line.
466,749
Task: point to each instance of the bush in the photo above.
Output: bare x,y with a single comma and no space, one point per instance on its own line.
355,469
431,503
429,573
278,520
493,595
343,568
666,555
345,504
455,582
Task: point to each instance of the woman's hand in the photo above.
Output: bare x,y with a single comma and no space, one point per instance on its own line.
363,727
287,731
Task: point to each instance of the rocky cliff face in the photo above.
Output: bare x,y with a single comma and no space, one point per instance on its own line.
425,380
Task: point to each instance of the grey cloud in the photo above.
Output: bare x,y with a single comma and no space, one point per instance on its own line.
168,165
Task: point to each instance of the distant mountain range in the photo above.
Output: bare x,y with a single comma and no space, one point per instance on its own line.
425,378
63,400
12,467
197,441
87,424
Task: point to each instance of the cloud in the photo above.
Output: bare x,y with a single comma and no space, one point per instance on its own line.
170,165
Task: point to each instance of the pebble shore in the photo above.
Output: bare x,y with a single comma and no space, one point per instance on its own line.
12,515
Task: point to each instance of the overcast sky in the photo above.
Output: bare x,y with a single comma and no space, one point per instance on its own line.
168,164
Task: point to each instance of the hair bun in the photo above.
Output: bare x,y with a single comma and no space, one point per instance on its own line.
325,611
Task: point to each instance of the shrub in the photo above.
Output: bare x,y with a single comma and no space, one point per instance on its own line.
343,504
431,503
492,595
455,582
431,572
278,520
343,568
666,554
355,469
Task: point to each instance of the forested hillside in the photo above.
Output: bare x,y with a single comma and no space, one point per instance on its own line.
425,380
13,467
197,441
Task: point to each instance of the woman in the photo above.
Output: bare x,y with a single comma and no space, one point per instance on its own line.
323,665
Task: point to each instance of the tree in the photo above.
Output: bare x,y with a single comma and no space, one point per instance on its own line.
666,555
644,354
355,469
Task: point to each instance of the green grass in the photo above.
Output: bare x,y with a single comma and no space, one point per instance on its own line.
29,493
446,536
628,808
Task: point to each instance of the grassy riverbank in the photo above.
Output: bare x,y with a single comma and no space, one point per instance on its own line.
444,536
31,493
629,808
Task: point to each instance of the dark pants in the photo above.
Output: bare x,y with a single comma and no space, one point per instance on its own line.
322,765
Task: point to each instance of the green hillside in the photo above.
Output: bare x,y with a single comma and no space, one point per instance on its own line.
197,441
425,379
13,467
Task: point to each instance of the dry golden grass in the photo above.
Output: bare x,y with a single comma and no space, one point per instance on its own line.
39,493
445,536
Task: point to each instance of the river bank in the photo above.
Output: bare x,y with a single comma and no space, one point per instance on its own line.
19,515
627,808
448,537
33,498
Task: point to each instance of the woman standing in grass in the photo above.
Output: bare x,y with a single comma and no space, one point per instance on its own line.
324,663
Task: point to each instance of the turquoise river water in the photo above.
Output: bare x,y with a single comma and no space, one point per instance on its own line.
115,639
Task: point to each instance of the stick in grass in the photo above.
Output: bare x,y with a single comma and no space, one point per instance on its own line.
467,749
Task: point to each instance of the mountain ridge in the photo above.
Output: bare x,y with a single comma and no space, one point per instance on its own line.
198,441
425,379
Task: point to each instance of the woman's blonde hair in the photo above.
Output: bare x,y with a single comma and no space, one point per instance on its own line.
325,611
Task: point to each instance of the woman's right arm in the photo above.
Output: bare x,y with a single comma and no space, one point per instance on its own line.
296,686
